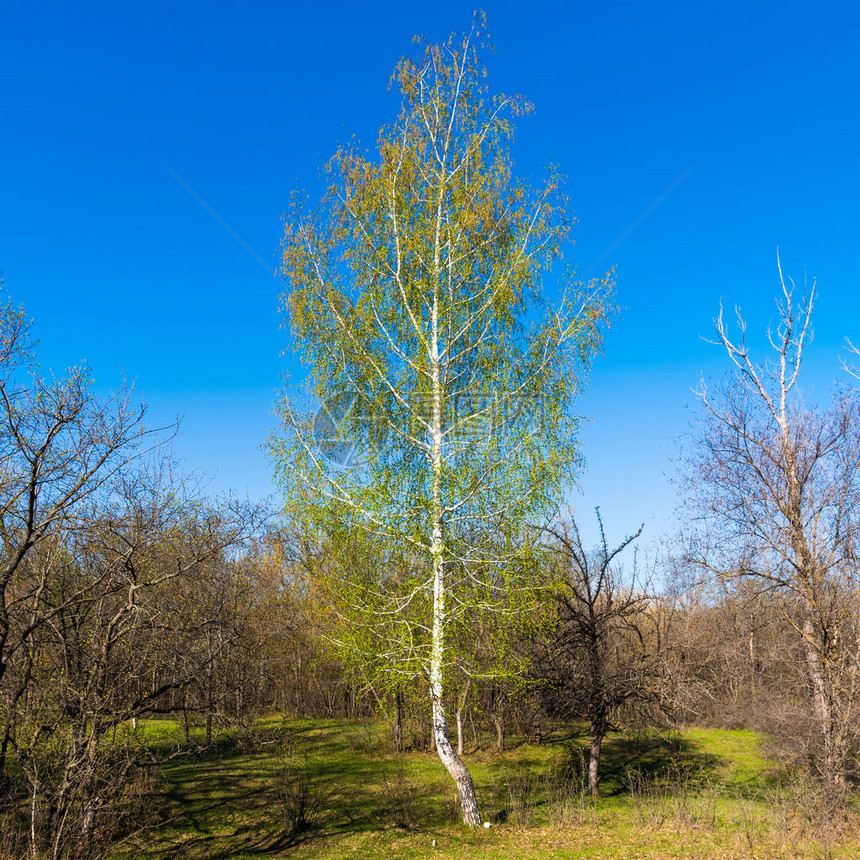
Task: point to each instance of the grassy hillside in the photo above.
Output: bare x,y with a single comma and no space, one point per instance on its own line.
332,789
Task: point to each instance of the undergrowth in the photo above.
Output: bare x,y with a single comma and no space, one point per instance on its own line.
331,789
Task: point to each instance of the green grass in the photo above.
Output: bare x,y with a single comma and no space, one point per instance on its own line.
702,793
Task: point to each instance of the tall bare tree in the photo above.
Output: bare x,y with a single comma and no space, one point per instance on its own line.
776,482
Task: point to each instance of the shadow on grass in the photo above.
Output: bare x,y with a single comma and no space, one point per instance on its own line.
651,755
654,756
229,802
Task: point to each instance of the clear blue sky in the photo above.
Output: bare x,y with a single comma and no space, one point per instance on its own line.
120,266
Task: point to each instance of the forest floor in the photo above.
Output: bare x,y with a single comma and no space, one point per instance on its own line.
334,789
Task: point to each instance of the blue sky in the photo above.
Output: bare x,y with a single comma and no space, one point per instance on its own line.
120,266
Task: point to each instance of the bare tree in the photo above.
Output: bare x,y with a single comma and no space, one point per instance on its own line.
775,482
102,656
601,657
59,446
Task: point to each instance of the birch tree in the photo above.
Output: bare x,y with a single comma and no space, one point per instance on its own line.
776,482
416,297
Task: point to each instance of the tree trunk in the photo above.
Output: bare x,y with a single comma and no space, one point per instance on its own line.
537,731
459,732
814,635
499,719
186,723
209,693
475,740
459,772
461,705
88,821
596,738
34,848
398,721
833,760
4,748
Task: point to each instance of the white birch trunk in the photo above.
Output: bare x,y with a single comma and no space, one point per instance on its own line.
455,767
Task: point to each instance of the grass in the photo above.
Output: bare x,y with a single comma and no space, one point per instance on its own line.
702,794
